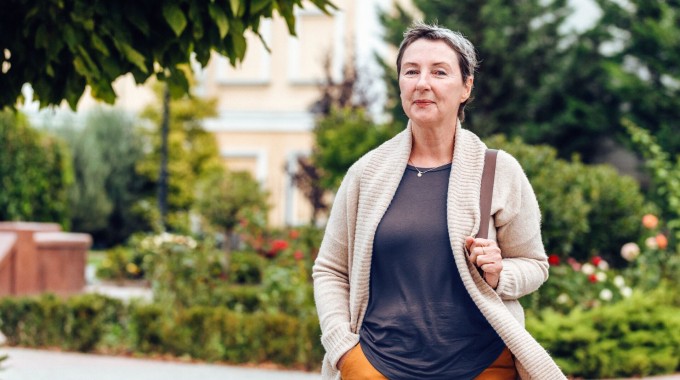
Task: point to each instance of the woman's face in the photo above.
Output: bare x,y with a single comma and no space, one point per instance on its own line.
431,83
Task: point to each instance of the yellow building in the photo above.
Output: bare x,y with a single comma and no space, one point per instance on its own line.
264,123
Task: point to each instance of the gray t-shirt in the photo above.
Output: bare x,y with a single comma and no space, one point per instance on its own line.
421,322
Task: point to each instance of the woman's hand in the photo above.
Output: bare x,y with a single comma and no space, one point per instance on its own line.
486,255
342,360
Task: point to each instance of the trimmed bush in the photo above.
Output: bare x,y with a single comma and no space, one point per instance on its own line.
639,336
246,268
201,332
76,324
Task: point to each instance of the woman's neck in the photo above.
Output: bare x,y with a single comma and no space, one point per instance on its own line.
432,146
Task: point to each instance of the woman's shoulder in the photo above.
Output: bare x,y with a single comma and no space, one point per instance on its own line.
382,152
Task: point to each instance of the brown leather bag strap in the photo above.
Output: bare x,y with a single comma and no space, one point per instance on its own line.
486,193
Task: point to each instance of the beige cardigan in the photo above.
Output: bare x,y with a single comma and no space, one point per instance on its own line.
342,270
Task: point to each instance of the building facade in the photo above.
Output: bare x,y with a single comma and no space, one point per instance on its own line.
264,123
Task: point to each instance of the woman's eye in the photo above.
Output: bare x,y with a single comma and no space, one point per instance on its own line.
440,73
410,72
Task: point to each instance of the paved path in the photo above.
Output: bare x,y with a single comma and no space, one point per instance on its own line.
28,364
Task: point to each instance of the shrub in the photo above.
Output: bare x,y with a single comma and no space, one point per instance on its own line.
246,268
182,271
77,323
639,336
35,173
586,210
121,263
573,284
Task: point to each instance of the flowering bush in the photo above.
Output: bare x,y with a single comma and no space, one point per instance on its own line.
653,260
574,284
182,271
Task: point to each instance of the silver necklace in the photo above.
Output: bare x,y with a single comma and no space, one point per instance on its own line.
421,172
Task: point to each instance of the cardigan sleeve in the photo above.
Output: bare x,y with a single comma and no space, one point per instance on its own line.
331,276
518,231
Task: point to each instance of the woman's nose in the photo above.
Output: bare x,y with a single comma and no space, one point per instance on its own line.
423,82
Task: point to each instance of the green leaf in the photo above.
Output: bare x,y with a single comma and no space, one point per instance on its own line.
41,37
70,37
99,45
235,7
258,5
175,18
132,55
92,67
102,90
220,19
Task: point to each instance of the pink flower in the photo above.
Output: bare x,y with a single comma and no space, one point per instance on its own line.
575,265
554,260
294,234
298,255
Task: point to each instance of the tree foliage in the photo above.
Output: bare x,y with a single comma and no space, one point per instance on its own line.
224,197
61,46
193,155
35,173
550,85
103,196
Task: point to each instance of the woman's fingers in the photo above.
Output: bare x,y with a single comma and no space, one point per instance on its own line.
486,255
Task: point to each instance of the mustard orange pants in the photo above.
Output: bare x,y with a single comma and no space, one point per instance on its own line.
357,367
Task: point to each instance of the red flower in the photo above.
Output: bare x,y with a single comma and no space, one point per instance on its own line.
298,255
279,245
592,278
294,234
554,260
596,260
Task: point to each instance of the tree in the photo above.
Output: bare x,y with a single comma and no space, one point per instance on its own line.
565,88
35,173
192,155
62,46
343,132
224,196
516,42
104,193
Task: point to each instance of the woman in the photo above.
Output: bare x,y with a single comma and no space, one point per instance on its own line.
396,294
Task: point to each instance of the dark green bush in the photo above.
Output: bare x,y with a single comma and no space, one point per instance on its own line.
77,323
246,268
35,173
241,298
586,210
201,332
639,336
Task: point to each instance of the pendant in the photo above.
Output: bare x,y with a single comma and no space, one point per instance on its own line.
420,174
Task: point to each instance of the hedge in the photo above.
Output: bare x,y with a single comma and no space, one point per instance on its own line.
638,336
90,322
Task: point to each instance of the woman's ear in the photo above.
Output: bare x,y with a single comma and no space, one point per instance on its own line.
468,88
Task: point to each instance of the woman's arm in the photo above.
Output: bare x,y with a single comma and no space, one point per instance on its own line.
331,277
518,231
